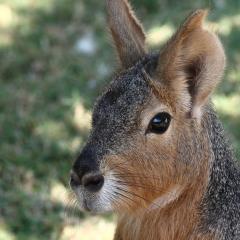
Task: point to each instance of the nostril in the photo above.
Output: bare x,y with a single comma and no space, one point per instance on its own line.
92,182
74,180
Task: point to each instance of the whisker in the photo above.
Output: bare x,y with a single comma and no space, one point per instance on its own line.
132,184
136,176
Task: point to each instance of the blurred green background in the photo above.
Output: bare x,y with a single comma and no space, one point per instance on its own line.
55,57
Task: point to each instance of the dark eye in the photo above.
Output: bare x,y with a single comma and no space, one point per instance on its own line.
160,123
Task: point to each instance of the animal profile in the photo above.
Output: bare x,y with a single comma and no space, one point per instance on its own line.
157,155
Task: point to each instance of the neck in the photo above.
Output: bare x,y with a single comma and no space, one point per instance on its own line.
222,199
176,219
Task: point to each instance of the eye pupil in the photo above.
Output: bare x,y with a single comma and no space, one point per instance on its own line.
160,123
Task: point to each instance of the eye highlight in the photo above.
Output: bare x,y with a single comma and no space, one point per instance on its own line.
159,123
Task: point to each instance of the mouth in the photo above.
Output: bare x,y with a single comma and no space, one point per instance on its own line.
99,202
93,204
83,199
85,206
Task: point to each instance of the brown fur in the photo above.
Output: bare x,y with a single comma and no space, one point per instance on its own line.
194,57
155,182
147,180
191,45
179,218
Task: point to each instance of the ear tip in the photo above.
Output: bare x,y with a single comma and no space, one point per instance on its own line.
201,14
107,2
116,3
110,3
196,18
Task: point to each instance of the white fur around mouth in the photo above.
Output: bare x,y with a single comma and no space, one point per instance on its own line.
101,201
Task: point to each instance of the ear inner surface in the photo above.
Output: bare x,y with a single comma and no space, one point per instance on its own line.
127,32
192,60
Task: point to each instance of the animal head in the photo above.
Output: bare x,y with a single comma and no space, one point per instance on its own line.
148,141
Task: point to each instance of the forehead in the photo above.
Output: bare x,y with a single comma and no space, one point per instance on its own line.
127,92
123,99
117,111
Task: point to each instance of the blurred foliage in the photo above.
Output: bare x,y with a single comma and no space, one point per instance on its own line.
55,58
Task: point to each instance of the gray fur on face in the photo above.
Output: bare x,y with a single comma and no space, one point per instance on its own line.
115,122
116,112
116,119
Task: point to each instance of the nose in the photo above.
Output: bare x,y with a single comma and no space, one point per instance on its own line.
85,171
92,182
74,180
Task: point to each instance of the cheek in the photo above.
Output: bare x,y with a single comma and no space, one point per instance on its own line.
129,186
161,158
162,147
142,174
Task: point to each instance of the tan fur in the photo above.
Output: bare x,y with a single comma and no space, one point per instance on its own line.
148,179
156,155
191,47
162,178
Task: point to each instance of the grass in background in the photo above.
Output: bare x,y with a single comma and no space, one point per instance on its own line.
55,58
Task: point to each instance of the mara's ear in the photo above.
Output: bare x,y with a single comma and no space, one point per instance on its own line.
193,60
127,32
